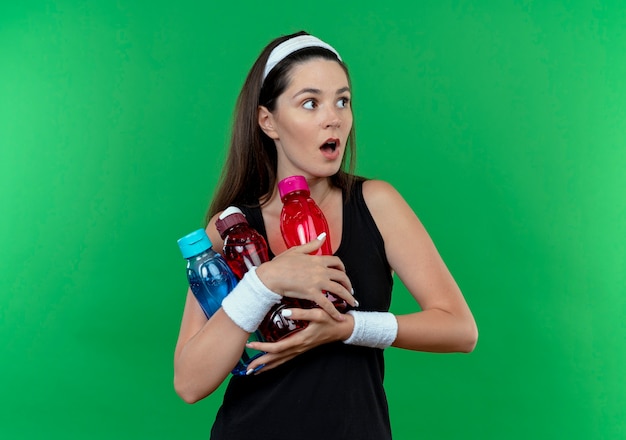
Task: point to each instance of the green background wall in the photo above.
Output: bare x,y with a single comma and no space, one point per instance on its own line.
502,123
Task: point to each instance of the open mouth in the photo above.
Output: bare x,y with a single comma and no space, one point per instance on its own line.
330,145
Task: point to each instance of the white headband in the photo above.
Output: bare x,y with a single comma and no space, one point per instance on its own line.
288,47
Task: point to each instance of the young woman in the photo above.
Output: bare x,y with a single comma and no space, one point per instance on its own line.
293,117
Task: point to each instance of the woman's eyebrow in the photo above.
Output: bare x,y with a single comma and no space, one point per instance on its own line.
307,90
319,92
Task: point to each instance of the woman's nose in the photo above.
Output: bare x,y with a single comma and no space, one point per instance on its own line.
332,118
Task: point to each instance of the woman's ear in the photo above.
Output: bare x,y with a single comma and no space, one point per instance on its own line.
266,122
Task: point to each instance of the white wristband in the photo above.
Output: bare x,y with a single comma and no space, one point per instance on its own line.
373,329
248,303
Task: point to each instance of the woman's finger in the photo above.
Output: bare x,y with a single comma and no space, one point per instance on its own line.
313,245
324,303
340,287
275,347
304,314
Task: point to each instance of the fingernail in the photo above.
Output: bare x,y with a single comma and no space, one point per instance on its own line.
352,291
249,372
286,313
321,236
356,303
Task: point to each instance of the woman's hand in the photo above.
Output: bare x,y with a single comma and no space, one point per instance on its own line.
297,274
321,330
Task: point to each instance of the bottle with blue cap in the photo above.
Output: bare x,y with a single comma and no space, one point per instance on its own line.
211,280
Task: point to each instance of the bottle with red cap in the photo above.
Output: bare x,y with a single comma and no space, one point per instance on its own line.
245,248
301,221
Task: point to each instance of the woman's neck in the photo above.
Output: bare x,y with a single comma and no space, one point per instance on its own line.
320,189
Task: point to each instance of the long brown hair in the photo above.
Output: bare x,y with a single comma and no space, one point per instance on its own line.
249,174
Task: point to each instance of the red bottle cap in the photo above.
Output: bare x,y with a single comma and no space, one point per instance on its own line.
291,184
230,217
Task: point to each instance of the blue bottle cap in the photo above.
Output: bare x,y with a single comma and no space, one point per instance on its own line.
194,243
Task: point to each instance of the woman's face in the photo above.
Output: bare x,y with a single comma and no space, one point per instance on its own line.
311,121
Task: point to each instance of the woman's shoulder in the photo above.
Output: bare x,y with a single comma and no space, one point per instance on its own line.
385,203
378,192
211,231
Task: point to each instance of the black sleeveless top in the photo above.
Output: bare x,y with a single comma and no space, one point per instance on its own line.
334,391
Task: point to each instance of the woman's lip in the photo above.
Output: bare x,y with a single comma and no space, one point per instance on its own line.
331,155
336,141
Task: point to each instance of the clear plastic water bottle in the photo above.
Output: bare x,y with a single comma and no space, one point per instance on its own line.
244,248
301,221
211,280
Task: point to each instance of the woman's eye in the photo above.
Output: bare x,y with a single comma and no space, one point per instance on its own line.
310,104
343,102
